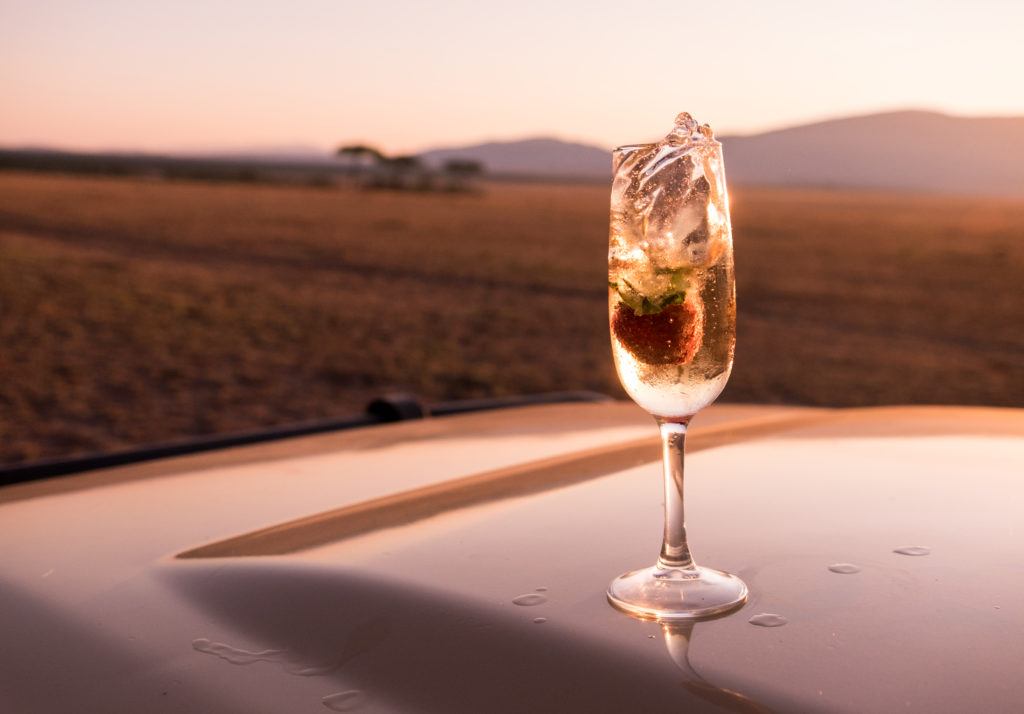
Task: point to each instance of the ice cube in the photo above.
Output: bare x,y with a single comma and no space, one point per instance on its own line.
628,197
669,199
634,276
625,232
687,130
665,183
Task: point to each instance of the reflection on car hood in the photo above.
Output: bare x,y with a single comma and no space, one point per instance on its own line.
459,565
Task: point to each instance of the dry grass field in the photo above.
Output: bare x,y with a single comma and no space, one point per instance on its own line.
134,311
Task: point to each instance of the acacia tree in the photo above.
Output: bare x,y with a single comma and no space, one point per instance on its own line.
360,156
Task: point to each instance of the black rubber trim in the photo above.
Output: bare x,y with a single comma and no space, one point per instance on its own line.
384,409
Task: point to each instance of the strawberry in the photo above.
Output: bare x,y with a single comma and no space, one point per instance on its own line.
671,336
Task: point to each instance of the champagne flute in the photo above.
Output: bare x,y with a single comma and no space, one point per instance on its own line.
672,314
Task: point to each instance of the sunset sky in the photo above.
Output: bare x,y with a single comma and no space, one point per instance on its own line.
138,74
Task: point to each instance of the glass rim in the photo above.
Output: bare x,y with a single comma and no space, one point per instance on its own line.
634,147
626,148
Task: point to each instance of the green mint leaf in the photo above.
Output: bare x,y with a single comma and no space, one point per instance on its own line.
679,278
679,282
630,296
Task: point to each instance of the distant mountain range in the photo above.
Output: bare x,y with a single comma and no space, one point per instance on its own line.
914,150
910,150
907,150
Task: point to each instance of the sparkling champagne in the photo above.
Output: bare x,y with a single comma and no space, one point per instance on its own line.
671,290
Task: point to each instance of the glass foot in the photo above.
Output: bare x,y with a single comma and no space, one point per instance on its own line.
667,594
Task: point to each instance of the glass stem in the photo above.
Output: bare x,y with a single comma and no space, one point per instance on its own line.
675,553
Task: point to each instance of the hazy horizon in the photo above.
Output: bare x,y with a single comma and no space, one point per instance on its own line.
301,147
145,76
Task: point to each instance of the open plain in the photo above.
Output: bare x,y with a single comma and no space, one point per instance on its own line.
136,311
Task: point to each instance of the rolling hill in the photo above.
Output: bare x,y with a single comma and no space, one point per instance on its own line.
913,150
